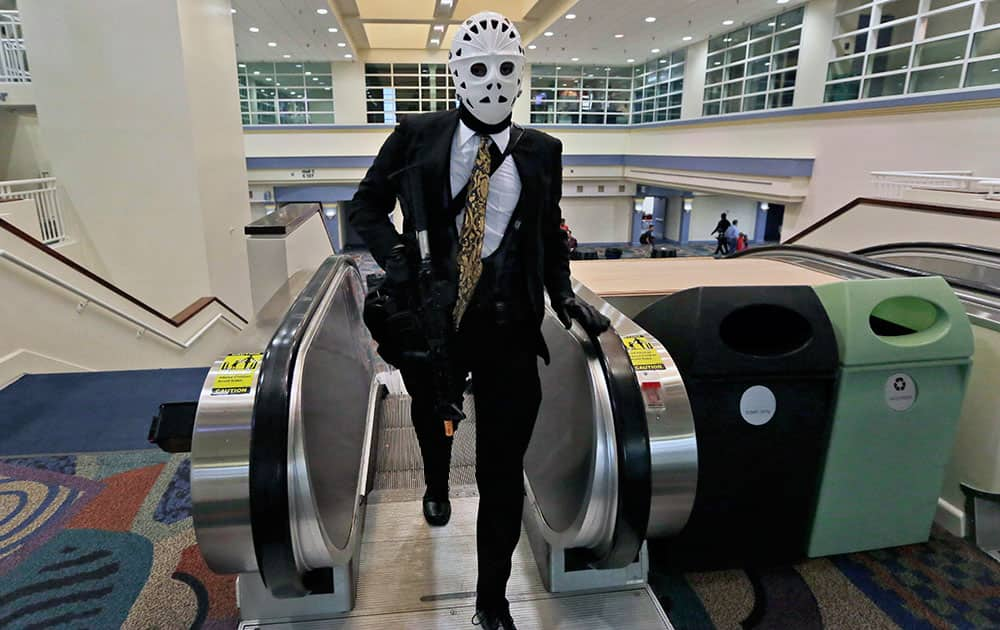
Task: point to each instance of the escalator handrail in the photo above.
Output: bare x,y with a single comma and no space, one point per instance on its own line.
862,261
633,455
960,248
269,493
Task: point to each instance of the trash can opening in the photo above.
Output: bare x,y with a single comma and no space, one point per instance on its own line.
898,318
765,330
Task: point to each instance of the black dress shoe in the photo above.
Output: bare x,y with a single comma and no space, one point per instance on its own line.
494,620
437,510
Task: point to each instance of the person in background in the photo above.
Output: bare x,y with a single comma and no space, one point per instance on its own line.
562,224
741,242
647,238
720,233
732,233
571,241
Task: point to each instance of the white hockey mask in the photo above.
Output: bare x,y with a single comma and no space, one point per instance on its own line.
487,62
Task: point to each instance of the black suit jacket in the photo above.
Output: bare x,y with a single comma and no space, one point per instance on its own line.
415,161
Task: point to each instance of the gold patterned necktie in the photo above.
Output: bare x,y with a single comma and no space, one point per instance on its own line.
470,242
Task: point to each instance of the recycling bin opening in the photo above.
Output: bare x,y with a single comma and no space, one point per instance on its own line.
902,316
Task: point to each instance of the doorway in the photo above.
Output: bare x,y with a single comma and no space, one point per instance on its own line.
775,218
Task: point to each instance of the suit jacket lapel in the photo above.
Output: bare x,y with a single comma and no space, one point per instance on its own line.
437,169
528,169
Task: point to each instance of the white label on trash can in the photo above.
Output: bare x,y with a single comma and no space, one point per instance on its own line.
757,405
900,392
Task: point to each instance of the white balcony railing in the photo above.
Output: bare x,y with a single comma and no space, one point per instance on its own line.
893,183
13,60
43,192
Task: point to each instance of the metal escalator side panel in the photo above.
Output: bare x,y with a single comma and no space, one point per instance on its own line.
673,447
220,472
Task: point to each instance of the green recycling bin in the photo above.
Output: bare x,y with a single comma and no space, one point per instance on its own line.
905,352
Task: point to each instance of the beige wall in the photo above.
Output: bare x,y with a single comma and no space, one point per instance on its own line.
598,219
705,211
21,153
143,134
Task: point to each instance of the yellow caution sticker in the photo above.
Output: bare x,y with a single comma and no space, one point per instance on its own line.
641,353
241,362
236,374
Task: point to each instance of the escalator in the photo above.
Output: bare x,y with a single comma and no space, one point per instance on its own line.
306,483
969,263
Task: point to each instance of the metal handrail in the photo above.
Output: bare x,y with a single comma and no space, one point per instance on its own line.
90,298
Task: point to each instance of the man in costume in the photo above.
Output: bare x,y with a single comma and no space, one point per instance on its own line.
488,194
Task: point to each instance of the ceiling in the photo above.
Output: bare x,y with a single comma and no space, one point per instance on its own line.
299,31
293,25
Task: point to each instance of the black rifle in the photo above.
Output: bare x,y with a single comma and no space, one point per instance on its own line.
432,312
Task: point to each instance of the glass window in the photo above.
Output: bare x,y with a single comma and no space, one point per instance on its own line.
787,39
986,43
946,78
760,29
938,4
735,72
949,22
710,109
898,59
714,76
759,66
941,51
783,80
991,12
844,91
713,93
731,106
755,102
850,5
737,54
791,19
730,90
893,35
756,84
888,85
851,45
899,9
781,99
983,73
785,60
846,68
854,21
760,47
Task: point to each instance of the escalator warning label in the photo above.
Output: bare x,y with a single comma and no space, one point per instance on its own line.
236,374
642,354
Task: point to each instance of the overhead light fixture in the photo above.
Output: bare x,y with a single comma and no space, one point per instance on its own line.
254,29
256,72
571,16
341,45
278,84
619,35
548,33
436,41
630,60
315,78
267,78
327,89
663,61
770,23
231,11
439,28
650,19
575,59
654,50
308,73
333,30
687,38
272,44
446,3
782,1
322,11
348,56
558,67
287,56
727,22
298,65
532,47
242,65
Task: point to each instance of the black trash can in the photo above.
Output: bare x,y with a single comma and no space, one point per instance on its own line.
759,365
662,251
613,253
587,254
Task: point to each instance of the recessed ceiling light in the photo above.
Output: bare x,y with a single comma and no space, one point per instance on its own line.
687,38
287,56
575,59
272,44
532,47
435,41
327,89
571,16
770,23
727,22
308,73
256,71
348,56
782,1
278,84
242,65
654,50
446,3
558,67
630,60
651,19
548,33
341,45
322,11
663,61
254,29
298,65
315,78
718,63
267,79
231,11
333,30
439,27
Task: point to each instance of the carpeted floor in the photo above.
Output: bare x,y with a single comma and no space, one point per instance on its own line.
88,411
104,540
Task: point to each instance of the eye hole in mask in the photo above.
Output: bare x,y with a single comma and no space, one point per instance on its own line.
506,68
478,69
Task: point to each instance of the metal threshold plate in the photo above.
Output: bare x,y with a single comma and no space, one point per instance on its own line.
412,576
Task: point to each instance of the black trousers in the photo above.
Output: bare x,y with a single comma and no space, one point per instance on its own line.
507,394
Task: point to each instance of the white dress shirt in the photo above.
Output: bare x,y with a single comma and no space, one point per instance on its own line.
505,184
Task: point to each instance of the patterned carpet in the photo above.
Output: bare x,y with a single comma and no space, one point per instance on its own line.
104,540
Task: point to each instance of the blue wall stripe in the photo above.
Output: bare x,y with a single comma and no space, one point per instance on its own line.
324,193
775,167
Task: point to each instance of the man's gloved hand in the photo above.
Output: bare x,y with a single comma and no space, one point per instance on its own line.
589,317
397,270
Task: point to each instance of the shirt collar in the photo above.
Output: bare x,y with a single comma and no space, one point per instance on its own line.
500,138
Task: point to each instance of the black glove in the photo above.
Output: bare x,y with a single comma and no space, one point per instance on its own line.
589,317
397,270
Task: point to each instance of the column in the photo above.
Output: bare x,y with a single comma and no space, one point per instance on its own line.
814,53
694,80
349,103
139,116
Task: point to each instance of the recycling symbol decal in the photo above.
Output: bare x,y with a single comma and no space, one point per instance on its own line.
900,392
899,384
